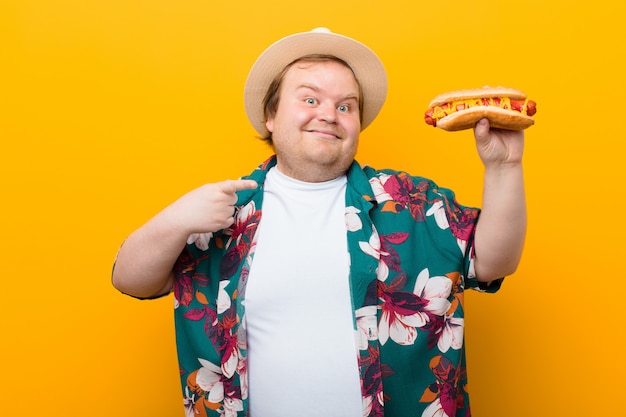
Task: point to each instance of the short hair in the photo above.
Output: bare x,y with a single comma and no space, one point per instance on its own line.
272,96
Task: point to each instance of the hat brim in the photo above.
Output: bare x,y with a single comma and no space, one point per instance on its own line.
367,67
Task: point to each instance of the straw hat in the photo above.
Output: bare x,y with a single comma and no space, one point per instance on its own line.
367,67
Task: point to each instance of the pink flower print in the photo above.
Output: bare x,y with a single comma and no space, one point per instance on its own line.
460,220
378,187
353,221
223,299
201,240
232,406
436,290
209,378
187,277
246,220
373,249
230,348
451,335
435,409
404,312
445,395
206,387
439,213
242,370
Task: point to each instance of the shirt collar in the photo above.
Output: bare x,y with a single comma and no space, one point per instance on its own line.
357,179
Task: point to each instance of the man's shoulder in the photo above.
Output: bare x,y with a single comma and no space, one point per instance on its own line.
402,175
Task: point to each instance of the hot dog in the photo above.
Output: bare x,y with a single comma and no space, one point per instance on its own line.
506,108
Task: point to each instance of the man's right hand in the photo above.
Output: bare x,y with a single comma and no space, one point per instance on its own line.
209,208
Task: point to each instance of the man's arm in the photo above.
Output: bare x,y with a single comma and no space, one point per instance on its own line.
501,228
145,261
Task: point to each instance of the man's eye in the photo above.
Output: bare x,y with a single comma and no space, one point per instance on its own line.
343,108
310,100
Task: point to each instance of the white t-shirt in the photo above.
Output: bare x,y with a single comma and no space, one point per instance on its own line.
302,357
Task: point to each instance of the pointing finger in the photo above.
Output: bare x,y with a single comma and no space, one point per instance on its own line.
232,186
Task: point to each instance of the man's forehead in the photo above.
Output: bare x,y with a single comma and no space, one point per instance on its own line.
312,69
306,63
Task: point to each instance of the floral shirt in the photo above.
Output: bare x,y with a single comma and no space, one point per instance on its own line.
411,257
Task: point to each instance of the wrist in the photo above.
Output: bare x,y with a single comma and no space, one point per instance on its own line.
503,168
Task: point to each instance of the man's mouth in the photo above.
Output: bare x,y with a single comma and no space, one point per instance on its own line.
324,132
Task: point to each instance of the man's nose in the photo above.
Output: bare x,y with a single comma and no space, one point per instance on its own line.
327,113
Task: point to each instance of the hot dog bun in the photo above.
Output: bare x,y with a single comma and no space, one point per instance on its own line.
506,108
498,118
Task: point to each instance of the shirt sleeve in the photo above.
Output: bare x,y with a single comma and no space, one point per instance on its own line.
462,221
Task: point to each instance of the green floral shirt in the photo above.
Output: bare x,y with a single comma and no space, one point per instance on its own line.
411,257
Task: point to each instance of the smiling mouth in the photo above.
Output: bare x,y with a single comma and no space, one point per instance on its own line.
323,132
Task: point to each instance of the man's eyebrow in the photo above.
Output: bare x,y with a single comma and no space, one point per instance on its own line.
350,96
308,86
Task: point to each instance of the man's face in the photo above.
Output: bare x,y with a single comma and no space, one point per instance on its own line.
316,127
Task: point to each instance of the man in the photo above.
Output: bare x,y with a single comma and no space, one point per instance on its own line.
315,286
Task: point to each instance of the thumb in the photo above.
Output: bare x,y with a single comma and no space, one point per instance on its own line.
481,130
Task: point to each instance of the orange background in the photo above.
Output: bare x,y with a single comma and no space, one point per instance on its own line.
109,110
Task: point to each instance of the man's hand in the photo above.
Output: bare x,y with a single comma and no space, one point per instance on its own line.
208,208
498,147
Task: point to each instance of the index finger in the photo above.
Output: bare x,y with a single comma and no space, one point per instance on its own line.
232,186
